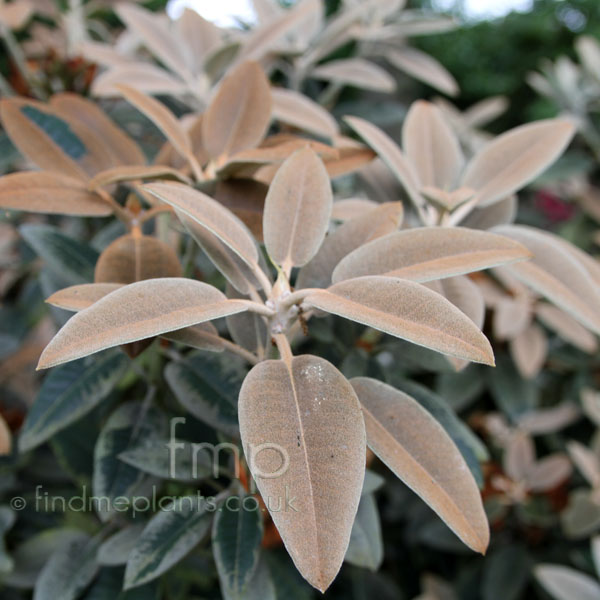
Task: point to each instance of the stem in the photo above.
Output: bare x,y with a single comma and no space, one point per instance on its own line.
120,212
155,210
283,345
262,279
19,59
256,307
196,168
460,213
297,297
236,349
5,87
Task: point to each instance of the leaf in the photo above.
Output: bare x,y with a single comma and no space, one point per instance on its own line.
67,394
407,310
503,212
550,420
42,137
423,67
89,114
109,586
505,573
431,146
31,556
264,39
586,461
294,108
529,351
78,297
113,479
418,450
161,116
564,583
465,295
68,258
168,537
236,538
203,337
228,262
117,548
132,258
374,223
549,473
350,208
16,14
515,158
582,516
555,274
512,316
50,193
470,446
356,72
144,77
207,387
134,173
313,424
519,456
248,330
366,545
135,312
154,33
513,395
198,35
426,253
390,154
297,209
238,116
209,214
69,571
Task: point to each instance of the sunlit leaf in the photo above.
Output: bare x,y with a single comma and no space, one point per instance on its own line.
239,114
51,193
314,416
426,253
297,209
407,310
418,450
135,312
515,158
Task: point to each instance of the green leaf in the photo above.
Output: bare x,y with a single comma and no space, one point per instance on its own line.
160,458
514,395
208,386
460,389
68,258
505,573
109,586
237,535
289,584
57,130
366,545
73,447
68,393
7,520
31,556
124,429
167,538
69,570
117,548
372,482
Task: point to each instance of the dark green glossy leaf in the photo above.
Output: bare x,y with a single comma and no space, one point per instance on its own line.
68,393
